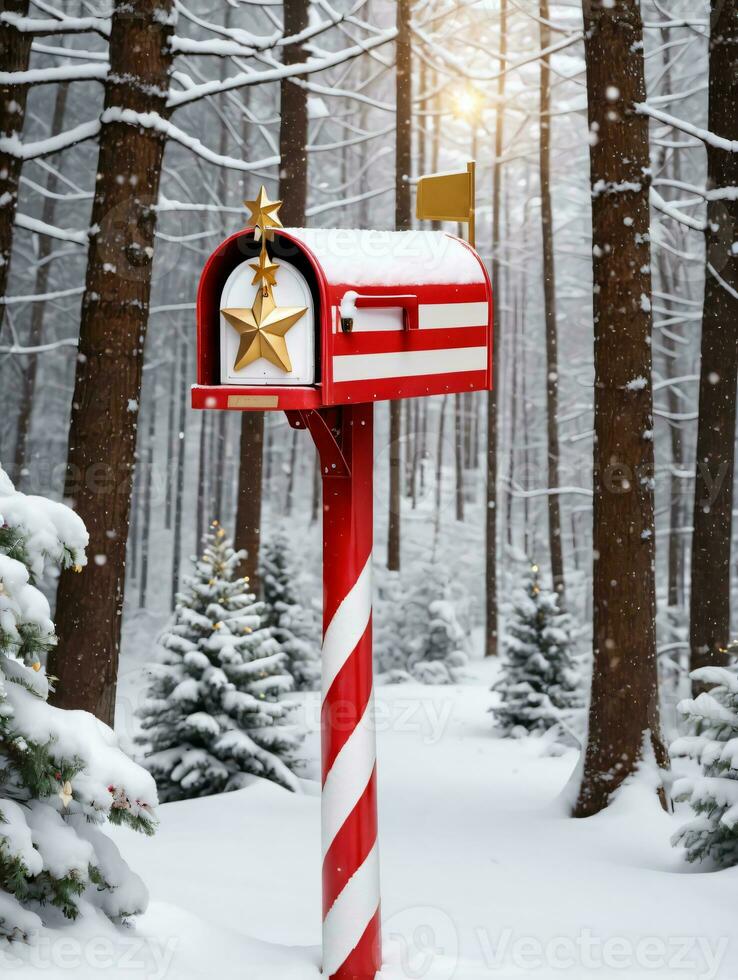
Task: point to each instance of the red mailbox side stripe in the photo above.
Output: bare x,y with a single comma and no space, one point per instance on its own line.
385,341
347,392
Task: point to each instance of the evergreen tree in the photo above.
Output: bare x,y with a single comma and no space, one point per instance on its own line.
62,775
213,715
434,638
291,623
540,685
389,615
713,743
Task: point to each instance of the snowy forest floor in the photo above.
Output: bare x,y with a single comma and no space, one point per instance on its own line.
483,873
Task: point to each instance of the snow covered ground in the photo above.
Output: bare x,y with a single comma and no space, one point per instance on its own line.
483,874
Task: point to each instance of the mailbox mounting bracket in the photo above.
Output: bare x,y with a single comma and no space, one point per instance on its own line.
326,426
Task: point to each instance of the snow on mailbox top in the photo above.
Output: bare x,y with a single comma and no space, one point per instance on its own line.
386,315
389,258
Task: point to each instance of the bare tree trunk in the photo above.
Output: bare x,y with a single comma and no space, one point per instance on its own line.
395,486
115,307
415,460
675,556
409,446
179,485
549,293
490,644
15,51
315,505
219,445
289,495
148,477
515,368
248,507
202,457
403,221
713,500
439,474
675,549
28,380
423,447
624,708
293,129
459,457
268,440
133,534
172,445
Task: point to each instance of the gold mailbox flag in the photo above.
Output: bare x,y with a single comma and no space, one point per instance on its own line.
448,197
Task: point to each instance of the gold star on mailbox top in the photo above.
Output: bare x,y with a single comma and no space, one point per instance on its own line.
263,214
262,330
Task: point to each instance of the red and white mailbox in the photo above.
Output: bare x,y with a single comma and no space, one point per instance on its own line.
388,315
355,317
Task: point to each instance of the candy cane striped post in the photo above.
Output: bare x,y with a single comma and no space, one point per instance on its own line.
351,924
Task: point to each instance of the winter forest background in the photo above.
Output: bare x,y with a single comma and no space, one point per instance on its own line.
128,145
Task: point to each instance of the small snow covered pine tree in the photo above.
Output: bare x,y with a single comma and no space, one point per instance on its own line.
292,624
540,684
434,638
713,794
389,615
62,775
213,715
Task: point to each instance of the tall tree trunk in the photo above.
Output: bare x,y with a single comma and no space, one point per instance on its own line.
115,307
515,360
219,445
713,500
439,474
415,461
15,51
624,708
675,549
395,486
248,506
459,456
172,444
403,221
291,474
200,496
315,501
669,275
148,479
178,509
423,447
549,294
490,602
28,380
409,447
293,129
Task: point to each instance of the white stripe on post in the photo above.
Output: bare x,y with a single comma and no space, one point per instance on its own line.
349,775
356,904
347,627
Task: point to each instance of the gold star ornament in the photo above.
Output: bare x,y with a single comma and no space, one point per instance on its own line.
263,214
264,270
262,330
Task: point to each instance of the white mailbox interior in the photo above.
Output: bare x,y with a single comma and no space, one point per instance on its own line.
292,291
